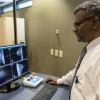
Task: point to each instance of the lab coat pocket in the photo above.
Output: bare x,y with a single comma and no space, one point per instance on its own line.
85,87
79,83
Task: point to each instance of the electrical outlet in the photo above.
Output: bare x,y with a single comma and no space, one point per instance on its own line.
56,53
60,54
52,52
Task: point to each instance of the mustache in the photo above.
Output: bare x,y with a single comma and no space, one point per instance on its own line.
76,33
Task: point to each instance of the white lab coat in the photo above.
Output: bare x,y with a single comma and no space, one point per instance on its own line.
88,87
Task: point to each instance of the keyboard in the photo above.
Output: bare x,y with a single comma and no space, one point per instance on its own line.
45,93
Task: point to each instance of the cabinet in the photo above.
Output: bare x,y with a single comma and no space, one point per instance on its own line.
7,31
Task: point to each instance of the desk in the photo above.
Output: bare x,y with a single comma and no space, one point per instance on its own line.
24,93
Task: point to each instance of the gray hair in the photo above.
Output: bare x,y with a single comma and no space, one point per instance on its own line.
91,8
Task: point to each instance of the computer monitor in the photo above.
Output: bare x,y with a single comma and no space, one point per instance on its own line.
13,65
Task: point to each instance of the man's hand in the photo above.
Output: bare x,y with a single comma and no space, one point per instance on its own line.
52,80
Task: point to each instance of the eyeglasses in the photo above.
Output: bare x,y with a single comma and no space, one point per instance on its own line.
77,24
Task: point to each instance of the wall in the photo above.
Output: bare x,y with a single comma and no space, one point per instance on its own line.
41,22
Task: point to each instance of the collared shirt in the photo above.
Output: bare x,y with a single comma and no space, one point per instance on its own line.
88,75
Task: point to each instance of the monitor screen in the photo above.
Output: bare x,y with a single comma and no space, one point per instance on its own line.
13,63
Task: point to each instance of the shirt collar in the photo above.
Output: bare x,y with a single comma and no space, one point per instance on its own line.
93,43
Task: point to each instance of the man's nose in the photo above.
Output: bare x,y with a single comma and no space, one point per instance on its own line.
75,30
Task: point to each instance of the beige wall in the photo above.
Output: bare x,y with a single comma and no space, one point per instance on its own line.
41,22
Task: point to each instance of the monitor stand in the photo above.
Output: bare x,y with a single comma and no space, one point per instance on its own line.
10,88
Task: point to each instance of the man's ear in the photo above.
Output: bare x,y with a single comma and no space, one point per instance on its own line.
95,22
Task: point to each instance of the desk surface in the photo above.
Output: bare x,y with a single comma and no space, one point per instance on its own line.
26,93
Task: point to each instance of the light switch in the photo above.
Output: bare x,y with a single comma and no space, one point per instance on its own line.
52,52
61,54
56,53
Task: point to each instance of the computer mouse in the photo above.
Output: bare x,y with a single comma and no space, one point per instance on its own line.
47,81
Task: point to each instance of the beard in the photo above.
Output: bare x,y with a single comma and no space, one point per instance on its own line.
78,37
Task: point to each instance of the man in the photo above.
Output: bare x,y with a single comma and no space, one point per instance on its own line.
86,84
